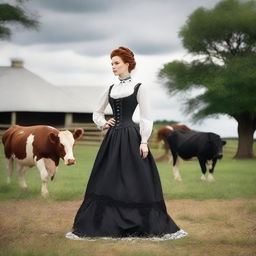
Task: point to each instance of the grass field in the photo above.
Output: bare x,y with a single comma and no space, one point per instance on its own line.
220,216
235,178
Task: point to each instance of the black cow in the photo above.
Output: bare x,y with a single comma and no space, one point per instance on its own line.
206,146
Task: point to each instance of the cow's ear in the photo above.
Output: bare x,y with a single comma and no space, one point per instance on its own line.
53,138
78,133
223,142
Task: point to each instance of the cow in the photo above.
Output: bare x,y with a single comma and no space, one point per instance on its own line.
162,135
41,146
206,146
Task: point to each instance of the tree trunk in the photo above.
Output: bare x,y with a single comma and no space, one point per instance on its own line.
246,129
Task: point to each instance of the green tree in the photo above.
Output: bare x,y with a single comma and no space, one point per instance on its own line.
15,13
222,42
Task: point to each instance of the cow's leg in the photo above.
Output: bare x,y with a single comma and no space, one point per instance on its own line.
202,163
21,173
210,177
44,177
165,156
209,163
176,172
50,167
9,169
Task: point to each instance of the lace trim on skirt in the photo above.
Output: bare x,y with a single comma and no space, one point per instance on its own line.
179,234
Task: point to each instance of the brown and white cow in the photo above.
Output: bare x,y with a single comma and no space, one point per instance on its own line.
162,134
40,146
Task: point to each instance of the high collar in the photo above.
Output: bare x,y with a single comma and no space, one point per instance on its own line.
125,79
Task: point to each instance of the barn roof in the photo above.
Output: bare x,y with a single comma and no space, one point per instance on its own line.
88,96
22,90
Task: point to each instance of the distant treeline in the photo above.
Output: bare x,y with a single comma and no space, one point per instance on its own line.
165,122
234,138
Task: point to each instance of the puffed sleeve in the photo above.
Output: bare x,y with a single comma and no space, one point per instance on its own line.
98,116
146,122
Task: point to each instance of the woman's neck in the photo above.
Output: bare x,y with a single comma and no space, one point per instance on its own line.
124,76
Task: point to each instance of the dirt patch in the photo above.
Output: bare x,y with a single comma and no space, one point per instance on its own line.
215,227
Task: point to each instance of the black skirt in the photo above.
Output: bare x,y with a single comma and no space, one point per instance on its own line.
124,195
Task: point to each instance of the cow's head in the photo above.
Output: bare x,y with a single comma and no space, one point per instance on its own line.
64,142
218,144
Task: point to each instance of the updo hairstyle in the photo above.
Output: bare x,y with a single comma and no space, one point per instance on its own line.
126,55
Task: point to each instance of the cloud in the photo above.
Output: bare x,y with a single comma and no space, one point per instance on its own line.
74,6
91,27
61,28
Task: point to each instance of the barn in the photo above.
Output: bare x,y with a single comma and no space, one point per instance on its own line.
28,99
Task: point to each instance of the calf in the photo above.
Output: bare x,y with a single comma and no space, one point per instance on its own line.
40,146
206,146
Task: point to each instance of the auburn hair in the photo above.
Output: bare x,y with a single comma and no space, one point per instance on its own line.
126,55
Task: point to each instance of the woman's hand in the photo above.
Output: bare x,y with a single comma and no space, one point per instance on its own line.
110,122
143,150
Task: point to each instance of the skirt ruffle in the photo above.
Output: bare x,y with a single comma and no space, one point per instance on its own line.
101,216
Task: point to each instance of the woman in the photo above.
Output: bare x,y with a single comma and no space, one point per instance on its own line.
124,197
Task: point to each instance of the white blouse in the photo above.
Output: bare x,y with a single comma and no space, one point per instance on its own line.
123,89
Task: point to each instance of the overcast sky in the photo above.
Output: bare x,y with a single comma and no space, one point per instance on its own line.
75,38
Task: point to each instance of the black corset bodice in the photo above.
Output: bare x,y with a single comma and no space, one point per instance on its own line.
123,108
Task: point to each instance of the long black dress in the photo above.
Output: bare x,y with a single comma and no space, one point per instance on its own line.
124,195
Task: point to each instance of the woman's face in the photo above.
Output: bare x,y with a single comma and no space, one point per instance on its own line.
119,67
